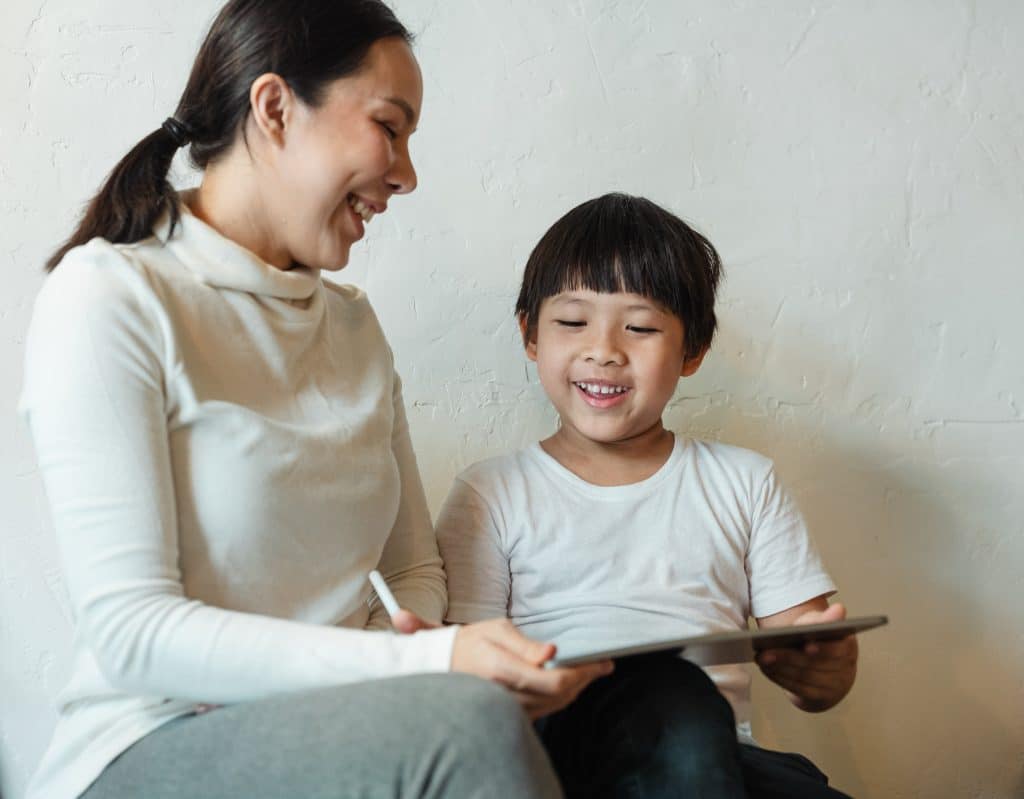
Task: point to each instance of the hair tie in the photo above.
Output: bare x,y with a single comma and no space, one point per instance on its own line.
178,130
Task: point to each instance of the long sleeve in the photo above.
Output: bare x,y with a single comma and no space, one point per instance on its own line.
410,561
479,582
96,377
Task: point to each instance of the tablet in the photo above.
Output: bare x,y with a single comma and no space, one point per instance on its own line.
737,646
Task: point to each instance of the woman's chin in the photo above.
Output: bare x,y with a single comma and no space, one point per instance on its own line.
332,259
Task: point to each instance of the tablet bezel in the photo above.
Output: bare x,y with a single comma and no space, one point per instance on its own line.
734,646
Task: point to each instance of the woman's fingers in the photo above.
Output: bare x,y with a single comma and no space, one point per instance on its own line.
497,651
405,621
505,634
566,688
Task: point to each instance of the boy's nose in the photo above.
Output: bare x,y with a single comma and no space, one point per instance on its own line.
604,351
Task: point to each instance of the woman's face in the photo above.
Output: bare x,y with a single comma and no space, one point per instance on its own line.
341,162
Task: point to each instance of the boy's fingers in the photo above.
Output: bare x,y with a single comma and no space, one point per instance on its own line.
836,612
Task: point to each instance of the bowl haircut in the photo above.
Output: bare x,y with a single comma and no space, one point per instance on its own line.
621,243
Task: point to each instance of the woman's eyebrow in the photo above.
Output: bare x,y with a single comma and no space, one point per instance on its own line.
410,115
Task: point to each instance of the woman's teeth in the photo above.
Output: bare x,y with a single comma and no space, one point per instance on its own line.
593,388
361,208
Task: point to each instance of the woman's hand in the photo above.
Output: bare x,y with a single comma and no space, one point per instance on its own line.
497,651
820,674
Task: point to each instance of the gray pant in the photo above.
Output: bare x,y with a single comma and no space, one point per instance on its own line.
445,735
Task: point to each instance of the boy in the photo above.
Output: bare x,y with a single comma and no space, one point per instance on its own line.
614,530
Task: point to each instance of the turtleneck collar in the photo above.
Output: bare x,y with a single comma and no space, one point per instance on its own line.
219,261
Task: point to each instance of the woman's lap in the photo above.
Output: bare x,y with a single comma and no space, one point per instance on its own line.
422,736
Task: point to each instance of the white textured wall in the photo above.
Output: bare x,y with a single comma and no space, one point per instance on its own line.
859,165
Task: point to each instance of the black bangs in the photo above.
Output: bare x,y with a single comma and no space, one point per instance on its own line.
620,243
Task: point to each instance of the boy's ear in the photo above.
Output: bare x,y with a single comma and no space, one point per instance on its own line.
691,365
529,342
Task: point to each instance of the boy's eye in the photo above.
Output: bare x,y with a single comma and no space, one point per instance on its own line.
635,329
569,323
392,133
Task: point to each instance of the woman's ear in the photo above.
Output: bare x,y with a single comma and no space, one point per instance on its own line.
529,338
691,365
271,103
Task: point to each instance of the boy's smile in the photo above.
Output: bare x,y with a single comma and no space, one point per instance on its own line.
609,363
600,393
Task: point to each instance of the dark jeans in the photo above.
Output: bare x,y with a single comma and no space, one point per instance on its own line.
658,727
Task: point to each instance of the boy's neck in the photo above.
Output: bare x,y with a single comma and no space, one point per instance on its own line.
613,463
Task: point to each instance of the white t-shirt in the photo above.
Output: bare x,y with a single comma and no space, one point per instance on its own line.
226,456
700,546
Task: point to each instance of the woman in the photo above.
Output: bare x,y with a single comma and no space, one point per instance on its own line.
225,451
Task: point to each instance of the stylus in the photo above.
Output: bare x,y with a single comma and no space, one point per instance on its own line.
384,593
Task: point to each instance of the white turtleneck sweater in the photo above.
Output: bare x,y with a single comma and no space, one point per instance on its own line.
226,456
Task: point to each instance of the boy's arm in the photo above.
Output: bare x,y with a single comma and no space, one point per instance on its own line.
475,560
819,675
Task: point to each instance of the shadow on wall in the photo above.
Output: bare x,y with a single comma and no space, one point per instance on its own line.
895,528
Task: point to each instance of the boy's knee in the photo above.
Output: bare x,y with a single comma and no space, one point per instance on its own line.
672,687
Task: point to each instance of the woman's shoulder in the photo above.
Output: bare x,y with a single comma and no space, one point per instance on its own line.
346,298
99,269
94,285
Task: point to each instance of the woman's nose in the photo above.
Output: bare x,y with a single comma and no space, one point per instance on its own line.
402,175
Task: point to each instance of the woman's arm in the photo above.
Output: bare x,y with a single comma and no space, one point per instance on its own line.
95,402
410,561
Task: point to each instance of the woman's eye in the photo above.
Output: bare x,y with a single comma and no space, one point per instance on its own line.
569,323
392,133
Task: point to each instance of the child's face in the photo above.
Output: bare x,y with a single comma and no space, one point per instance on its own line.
609,363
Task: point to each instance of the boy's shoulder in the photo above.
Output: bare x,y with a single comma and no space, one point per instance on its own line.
727,455
729,464
521,469
499,470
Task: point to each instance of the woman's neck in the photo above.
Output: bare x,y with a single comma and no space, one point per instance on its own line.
229,201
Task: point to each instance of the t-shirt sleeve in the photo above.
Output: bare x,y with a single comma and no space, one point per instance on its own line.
95,404
410,561
783,566
475,560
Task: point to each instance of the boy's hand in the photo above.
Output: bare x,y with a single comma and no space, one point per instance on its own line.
497,651
820,674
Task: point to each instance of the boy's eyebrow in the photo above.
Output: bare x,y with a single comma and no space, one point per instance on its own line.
561,299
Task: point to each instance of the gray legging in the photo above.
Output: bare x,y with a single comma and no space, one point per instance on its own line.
440,735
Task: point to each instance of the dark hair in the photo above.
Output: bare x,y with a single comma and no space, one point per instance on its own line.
309,43
622,243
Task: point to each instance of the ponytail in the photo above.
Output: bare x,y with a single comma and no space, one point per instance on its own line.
309,43
132,199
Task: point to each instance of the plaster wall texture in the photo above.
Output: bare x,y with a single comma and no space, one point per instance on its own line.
860,166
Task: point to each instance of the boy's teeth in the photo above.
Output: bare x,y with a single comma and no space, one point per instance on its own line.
593,388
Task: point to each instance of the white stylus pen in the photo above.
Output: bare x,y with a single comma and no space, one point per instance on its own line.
384,593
